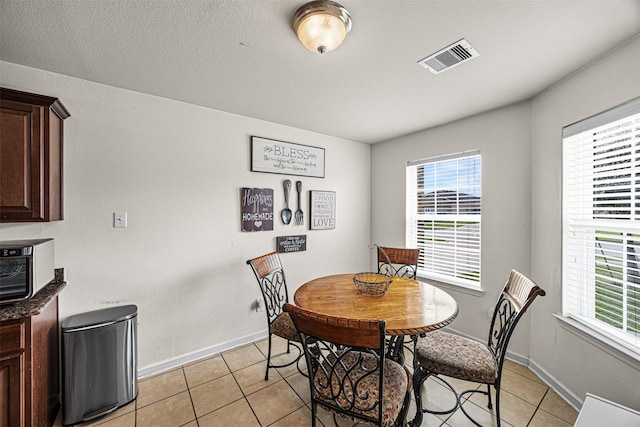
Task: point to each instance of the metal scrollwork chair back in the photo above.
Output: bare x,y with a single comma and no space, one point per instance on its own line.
401,262
349,374
442,353
273,285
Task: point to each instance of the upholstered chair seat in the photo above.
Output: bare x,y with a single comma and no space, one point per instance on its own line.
457,357
363,394
283,327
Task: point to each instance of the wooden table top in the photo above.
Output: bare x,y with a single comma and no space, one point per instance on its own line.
409,307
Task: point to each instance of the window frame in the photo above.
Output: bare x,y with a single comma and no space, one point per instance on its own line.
464,228
600,225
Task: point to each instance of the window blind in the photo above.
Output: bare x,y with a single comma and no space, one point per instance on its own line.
443,212
601,227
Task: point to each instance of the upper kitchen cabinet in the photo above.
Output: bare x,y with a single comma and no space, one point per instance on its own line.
31,131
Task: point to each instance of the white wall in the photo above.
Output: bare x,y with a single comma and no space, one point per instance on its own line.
521,148
503,138
177,169
569,358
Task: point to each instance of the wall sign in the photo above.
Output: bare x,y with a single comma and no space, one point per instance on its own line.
256,209
271,156
291,243
323,210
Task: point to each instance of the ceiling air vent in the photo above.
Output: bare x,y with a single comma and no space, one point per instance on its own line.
459,52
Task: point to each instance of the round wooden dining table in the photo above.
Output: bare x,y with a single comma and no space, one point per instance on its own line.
409,307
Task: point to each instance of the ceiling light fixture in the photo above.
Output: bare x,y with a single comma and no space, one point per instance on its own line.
321,25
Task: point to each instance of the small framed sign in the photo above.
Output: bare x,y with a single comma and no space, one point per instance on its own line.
271,156
256,209
291,243
323,210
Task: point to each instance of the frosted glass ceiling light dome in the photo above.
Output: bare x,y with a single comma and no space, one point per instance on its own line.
321,25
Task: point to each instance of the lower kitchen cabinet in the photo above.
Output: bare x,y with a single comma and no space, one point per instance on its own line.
29,379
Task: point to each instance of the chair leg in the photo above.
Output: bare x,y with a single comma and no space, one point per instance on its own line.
313,414
296,360
419,377
401,421
497,387
266,374
490,406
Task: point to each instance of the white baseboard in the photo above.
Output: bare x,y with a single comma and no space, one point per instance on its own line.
556,385
200,354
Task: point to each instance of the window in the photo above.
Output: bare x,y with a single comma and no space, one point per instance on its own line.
601,223
443,217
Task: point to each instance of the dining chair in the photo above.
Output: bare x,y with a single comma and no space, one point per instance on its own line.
273,285
399,262
349,374
402,262
441,353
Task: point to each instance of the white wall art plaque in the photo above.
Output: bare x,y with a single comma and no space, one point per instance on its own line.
272,156
256,209
323,210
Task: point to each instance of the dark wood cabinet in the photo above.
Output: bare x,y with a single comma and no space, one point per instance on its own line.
29,380
31,139
12,393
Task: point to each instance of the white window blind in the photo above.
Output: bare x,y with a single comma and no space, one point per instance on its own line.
601,227
443,209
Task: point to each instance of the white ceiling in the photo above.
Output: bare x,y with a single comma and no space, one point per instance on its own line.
241,56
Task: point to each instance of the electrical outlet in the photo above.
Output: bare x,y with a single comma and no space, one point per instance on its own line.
259,305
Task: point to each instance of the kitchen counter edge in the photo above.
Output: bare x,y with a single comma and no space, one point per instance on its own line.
34,305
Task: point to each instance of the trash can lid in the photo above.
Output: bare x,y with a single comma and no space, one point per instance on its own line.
99,318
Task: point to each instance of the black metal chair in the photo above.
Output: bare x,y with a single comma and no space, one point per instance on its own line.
349,374
401,262
270,275
442,353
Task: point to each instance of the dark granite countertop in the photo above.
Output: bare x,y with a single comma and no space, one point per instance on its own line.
33,306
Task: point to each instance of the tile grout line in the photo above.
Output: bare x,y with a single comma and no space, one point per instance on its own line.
304,405
537,407
244,396
195,414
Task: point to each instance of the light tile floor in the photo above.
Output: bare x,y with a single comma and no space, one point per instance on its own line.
229,390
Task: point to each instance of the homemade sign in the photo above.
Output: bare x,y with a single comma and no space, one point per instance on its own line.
257,209
291,243
271,156
323,210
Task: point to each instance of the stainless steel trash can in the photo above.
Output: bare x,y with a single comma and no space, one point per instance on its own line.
99,362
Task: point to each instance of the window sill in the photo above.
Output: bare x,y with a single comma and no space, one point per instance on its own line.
601,341
475,291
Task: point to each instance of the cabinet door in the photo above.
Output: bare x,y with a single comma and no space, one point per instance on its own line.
21,161
11,393
12,384
30,157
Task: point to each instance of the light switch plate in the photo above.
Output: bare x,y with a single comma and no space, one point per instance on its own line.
119,220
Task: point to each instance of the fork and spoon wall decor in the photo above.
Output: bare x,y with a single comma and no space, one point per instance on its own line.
286,212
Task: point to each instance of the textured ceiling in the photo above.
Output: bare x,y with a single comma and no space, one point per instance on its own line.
242,56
